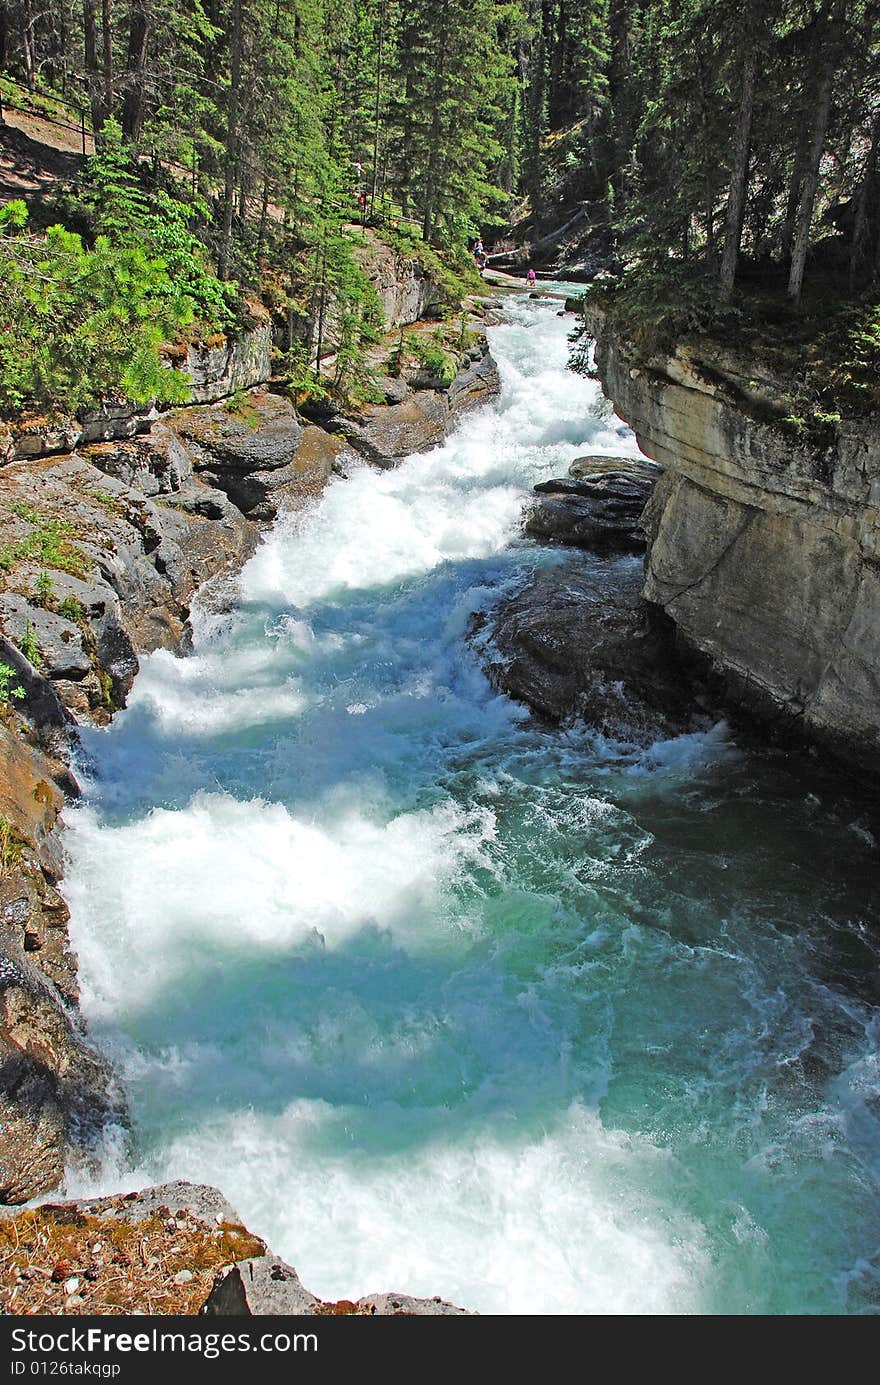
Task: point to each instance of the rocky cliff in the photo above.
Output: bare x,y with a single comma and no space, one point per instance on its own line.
763,546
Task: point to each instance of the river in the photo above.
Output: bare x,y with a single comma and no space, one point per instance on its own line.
449,1002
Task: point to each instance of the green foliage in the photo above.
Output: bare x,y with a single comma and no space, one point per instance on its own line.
111,198
44,586
824,354
71,609
11,844
10,691
439,363
80,325
107,197
29,646
48,542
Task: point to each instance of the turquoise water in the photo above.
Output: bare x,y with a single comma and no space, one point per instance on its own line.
450,1003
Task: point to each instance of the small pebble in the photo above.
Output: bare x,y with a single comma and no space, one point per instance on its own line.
183,1277
71,1285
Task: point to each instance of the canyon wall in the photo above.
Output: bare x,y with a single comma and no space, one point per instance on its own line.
763,546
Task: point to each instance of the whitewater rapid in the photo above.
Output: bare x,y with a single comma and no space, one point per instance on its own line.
447,1002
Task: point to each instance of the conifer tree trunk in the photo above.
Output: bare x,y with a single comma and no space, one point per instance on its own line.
231,159
860,235
4,46
801,160
27,44
804,218
827,52
620,98
377,107
135,67
90,53
736,197
107,56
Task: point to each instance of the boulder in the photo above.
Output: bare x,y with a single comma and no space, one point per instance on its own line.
598,506
595,466
402,1305
266,1285
259,1286
568,651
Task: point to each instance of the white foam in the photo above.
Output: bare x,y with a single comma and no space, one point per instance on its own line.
217,880
556,1222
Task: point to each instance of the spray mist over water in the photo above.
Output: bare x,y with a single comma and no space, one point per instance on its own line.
447,1002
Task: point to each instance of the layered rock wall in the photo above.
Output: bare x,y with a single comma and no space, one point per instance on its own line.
763,548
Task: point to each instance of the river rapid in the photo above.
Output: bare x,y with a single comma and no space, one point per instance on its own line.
449,1002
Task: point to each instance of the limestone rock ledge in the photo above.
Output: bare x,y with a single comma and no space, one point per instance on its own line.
762,548
176,1248
416,419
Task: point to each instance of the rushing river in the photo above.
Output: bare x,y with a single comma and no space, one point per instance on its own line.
451,1003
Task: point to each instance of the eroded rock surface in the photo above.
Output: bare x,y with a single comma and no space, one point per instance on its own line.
764,549
55,1091
385,433
567,652
598,505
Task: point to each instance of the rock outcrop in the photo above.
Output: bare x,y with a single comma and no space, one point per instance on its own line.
215,372
55,1091
177,1248
418,418
405,290
568,653
763,548
598,505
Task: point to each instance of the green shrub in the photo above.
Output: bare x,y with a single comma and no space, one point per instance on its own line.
71,609
29,646
11,845
10,689
438,362
45,586
77,325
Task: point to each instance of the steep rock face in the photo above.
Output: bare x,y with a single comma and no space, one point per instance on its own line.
55,1092
764,551
231,366
404,289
